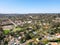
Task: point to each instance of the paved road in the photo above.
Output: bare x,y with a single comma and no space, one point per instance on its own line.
13,41
12,22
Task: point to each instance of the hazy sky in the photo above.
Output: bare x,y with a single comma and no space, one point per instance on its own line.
29,6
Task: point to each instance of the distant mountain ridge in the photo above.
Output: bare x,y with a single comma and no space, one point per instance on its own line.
30,14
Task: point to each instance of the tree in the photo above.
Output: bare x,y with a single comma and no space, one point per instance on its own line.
1,34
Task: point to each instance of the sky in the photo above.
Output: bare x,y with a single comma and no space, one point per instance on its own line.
29,6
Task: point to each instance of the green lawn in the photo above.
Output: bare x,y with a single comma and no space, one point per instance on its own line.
17,29
6,31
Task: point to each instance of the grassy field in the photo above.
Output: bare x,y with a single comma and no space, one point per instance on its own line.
17,29
6,31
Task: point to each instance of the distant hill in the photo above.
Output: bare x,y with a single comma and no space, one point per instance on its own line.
29,14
